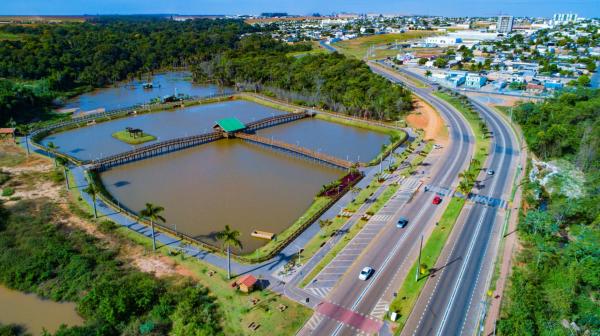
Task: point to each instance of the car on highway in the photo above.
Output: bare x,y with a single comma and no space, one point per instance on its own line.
437,200
366,273
490,172
402,222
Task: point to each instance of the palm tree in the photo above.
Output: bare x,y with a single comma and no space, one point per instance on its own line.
153,213
229,238
93,192
52,147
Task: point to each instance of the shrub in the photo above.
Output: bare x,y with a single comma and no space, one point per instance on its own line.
7,192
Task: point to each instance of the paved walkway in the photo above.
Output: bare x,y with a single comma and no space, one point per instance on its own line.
265,270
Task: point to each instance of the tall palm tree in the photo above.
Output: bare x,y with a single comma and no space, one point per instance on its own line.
53,147
153,213
93,192
229,238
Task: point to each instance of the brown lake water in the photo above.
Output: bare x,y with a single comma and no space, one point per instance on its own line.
346,142
227,182
96,141
35,313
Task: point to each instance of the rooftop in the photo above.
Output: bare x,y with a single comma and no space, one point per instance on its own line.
231,124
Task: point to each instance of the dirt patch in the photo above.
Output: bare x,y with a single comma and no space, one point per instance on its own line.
28,176
426,118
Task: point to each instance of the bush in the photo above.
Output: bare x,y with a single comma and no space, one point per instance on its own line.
8,191
107,226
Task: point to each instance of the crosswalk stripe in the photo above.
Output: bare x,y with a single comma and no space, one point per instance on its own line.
319,291
380,309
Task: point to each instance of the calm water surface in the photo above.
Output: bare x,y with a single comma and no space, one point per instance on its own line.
345,142
132,93
96,141
34,313
228,182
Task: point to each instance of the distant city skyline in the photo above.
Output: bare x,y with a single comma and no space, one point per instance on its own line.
533,8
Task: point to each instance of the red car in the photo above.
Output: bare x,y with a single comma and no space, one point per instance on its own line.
437,200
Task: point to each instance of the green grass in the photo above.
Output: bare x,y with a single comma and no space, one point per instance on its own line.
304,53
354,230
358,47
237,311
10,37
127,138
410,290
317,205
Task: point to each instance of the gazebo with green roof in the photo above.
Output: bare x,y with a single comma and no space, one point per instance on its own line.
230,125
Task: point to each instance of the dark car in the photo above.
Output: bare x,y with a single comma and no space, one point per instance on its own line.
402,222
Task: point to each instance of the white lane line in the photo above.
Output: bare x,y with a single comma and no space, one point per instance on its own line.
472,242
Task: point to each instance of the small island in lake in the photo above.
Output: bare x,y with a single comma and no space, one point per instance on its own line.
133,136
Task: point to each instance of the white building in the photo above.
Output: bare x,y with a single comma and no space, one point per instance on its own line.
564,17
504,24
443,40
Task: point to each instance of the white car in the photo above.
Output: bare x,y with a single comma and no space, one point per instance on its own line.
490,172
365,273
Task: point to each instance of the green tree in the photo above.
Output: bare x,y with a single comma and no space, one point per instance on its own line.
93,192
153,213
229,238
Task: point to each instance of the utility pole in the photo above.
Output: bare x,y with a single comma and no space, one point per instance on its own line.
419,261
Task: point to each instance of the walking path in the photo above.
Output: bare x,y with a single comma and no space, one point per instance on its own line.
265,270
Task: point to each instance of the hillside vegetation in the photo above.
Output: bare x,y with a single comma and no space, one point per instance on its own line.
556,280
40,255
330,81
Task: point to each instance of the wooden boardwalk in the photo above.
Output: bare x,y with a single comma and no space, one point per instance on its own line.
311,154
154,149
172,145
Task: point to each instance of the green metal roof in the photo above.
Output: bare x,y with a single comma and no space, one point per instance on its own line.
231,124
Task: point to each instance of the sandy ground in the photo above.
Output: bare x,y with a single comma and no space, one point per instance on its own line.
29,182
501,100
426,118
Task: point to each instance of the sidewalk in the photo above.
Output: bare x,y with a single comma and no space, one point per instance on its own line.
264,270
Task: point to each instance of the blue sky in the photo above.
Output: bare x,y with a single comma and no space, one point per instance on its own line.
586,8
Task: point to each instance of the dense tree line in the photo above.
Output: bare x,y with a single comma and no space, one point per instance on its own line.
556,279
70,58
327,80
39,255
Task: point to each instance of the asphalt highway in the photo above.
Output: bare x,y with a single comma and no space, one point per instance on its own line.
450,303
393,250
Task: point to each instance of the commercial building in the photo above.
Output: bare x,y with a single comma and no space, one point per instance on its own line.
504,24
475,81
564,17
443,40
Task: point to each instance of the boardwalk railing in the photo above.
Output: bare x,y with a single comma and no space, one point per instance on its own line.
297,150
155,149
275,120
90,118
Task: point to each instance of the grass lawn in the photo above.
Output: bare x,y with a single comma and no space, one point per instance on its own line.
410,290
235,307
358,47
354,230
127,138
318,204
10,37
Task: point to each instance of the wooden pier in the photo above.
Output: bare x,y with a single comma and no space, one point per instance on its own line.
155,149
305,152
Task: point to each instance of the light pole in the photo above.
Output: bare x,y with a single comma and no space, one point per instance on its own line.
419,261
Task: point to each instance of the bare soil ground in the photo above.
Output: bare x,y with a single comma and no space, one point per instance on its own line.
428,119
29,177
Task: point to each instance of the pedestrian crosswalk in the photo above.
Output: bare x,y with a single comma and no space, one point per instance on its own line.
486,200
313,322
380,309
319,291
442,191
381,218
